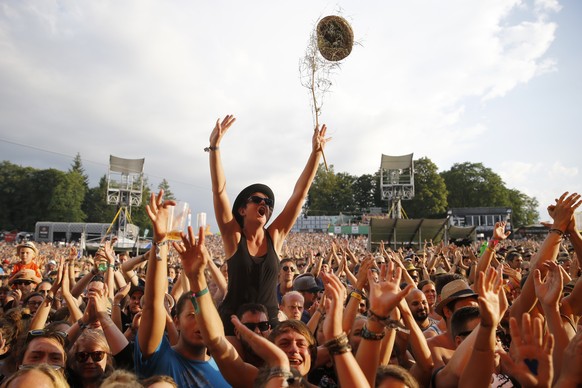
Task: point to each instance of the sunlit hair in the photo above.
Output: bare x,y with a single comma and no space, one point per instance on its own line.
121,379
92,339
57,378
159,379
298,327
395,372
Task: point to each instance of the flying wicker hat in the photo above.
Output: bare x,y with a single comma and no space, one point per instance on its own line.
27,244
335,38
241,199
457,289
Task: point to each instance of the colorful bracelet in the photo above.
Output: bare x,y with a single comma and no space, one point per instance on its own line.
356,295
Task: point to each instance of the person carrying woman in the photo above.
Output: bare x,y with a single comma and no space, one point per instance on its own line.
251,247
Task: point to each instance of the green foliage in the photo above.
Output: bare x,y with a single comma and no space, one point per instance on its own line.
430,198
67,199
164,185
474,185
330,193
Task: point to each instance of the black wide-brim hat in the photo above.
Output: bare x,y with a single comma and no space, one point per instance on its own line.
241,199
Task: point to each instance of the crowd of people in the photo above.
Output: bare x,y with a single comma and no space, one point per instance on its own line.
260,306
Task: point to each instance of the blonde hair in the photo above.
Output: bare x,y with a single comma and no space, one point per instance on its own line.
56,377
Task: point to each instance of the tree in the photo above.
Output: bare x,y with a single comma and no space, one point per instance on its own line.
67,199
524,209
77,166
430,198
474,185
164,185
96,206
330,193
364,188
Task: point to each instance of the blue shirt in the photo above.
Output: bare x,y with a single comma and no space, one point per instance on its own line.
186,373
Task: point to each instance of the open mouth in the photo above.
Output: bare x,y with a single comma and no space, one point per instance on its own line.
262,210
295,362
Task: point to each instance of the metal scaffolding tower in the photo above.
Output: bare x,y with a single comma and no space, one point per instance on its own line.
396,181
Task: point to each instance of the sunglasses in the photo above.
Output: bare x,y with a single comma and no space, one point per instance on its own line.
84,356
257,200
263,326
60,336
301,264
287,268
25,282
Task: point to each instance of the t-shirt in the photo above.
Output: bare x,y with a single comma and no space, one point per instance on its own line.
186,373
32,265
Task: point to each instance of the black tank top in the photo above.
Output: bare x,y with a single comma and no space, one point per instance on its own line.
251,280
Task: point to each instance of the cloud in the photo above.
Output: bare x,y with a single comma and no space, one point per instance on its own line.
149,79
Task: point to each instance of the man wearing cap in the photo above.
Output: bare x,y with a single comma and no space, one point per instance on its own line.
27,252
454,295
252,249
308,287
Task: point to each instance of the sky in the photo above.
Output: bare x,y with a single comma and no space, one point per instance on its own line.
482,81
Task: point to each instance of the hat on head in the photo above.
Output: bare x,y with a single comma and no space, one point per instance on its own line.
456,289
25,275
410,267
242,197
27,244
440,271
306,283
52,262
135,289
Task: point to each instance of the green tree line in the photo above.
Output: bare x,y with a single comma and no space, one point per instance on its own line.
28,195
463,185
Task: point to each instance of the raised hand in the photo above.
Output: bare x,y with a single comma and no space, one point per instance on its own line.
220,129
386,294
499,232
335,291
531,361
563,210
319,140
157,211
489,287
193,253
549,290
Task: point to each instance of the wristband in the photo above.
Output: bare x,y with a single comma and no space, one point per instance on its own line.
195,302
369,335
211,148
356,295
338,345
158,245
82,325
557,231
49,298
111,266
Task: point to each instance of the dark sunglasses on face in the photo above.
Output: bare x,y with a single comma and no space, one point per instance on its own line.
257,199
287,268
263,326
84,356
25,282
301,264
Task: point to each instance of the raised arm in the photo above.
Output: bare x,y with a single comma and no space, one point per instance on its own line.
195,258
151,327
224,218
284,222
481,364
347,369
562,213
